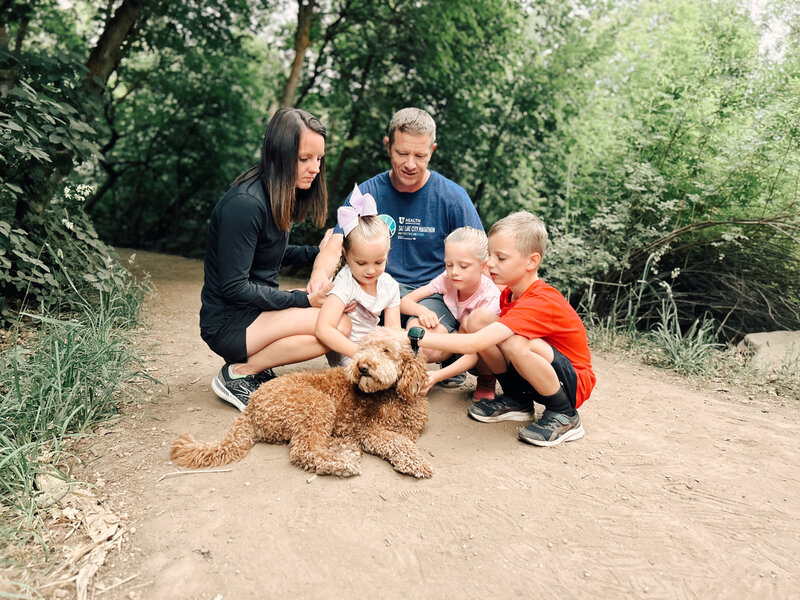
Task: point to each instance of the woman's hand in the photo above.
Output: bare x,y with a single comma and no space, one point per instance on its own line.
318,297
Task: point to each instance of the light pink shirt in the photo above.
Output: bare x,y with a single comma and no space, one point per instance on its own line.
486,296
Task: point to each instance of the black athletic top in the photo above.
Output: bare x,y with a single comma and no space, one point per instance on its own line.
244,252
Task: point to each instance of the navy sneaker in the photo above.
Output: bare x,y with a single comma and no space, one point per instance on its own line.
235,390
501,408
553,428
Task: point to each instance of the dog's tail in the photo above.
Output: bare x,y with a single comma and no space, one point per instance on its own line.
189,452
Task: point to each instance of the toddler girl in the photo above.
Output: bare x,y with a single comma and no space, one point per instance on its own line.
472,299
362,282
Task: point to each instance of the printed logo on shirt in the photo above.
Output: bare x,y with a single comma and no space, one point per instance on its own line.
390,223
412,228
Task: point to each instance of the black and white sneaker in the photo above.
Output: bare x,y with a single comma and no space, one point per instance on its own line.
235,390
265,376
553,428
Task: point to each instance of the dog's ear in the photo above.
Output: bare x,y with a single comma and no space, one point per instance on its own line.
413,377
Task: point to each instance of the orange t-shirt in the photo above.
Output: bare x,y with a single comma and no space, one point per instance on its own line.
542,312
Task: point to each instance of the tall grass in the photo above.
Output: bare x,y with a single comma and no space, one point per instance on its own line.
56,382
691,350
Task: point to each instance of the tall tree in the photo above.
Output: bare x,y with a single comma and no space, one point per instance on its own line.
302,42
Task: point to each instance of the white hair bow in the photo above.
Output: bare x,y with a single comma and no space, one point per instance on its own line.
361,205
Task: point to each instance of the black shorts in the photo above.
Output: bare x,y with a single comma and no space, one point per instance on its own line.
230,340
564,370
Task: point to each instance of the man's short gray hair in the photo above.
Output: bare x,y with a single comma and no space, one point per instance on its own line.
412,120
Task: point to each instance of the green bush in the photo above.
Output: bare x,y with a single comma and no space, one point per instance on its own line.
56,263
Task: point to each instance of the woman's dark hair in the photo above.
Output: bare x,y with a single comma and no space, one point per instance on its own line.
277,170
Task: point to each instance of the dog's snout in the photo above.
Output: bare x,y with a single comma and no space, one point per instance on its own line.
363,370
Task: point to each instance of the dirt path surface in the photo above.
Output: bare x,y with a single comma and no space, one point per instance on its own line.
674,493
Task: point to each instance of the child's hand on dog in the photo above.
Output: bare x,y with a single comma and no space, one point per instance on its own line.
432,381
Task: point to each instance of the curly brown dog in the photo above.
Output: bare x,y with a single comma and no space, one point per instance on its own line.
328,416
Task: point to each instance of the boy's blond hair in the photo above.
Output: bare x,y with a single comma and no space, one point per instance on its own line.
527,230
470,234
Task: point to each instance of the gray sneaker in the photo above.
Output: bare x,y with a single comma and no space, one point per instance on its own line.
553,428
454,381
501,408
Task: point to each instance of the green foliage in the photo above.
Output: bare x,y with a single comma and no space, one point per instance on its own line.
186,112
170,166
57,262
41,127
680,154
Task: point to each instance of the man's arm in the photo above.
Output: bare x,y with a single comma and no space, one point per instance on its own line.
325,264
467,343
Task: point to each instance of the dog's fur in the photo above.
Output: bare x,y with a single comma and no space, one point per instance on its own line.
329,416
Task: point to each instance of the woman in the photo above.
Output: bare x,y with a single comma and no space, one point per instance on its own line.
244,317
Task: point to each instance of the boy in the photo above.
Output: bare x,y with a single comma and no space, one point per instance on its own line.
537,348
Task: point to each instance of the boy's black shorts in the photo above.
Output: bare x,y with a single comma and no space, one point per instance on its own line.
564,370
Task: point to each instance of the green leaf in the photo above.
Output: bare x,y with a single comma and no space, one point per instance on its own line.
11,125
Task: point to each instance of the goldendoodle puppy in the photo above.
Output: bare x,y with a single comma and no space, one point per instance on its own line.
329,416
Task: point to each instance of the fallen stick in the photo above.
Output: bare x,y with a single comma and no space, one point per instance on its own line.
176,473
59,582
111,587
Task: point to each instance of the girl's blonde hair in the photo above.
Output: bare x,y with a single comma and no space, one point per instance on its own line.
470,234
369,228
528,231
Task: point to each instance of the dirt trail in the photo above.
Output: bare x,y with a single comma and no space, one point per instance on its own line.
674,493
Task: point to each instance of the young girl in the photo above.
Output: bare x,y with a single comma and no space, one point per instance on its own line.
362,282
472,299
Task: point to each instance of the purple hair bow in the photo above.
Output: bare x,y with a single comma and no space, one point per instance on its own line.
361,205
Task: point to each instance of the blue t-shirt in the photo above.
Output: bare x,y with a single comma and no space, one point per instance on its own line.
419,221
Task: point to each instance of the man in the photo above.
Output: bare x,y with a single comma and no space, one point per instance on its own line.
421,207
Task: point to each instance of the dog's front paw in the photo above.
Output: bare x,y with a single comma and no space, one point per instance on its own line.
340,468
343,470
348,471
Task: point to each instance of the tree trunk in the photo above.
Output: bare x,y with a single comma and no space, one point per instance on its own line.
23,26
302,42
105,55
